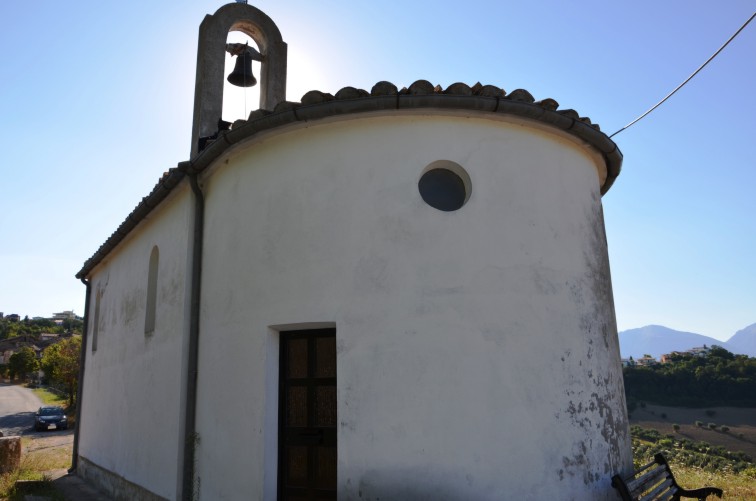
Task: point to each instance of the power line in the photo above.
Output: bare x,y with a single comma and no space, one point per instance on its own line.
688,79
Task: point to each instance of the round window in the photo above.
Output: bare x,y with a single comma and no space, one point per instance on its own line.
445,186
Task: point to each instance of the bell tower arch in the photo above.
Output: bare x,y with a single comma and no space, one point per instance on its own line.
211,47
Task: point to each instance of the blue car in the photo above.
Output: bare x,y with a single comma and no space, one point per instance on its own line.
48,416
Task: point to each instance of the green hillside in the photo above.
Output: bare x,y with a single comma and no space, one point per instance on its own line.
717,379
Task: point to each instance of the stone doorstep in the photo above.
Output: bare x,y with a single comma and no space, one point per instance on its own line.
27,485
24,486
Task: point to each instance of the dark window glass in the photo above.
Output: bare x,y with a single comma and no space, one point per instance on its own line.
442,189
325,406
297,359
325,348
297,406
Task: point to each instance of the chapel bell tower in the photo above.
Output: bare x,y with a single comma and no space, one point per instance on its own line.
208,90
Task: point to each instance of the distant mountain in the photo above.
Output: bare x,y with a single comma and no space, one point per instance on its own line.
744,341
656,340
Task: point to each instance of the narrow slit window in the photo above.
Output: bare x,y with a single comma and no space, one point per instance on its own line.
149,318
96,326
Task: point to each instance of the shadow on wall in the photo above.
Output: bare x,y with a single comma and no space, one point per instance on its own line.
385,484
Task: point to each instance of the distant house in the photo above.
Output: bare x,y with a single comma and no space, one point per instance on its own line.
48,337
61,317
700,351
10,346
645,361
627,362
667,357
64,315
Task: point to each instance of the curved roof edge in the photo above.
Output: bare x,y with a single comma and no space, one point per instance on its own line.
384,96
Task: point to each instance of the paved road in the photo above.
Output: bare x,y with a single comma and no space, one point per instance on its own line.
17,407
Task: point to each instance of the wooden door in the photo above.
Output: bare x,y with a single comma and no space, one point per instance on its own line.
307,415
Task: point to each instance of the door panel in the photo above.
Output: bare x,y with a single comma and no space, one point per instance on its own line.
307,415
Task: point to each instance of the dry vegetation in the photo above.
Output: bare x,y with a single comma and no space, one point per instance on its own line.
42,457
741,436
741,422
736,487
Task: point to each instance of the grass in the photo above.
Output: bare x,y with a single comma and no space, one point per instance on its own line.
736,487
50,398
35,462
33,465
719,469
740,436
740,423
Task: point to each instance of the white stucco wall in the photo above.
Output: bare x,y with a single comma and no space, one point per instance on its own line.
477,349
132,412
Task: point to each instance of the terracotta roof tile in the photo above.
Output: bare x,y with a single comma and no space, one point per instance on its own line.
459,89
384,88
521,95
351,93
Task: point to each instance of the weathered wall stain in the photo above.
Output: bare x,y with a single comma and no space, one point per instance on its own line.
600,404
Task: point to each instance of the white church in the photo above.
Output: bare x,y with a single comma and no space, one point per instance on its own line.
397,293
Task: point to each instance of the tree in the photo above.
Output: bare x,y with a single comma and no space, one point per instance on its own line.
719,378
74,325
23,363
60,362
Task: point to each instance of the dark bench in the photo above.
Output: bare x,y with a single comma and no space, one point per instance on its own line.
655,481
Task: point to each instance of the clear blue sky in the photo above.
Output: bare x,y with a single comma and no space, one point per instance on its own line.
96,100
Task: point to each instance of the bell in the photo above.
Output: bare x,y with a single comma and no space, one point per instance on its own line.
242,75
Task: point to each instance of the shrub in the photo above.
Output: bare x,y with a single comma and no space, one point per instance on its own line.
741,436
740,466
645,434
699,424
718,450
724,428
676,427
699,455
750,471
712,426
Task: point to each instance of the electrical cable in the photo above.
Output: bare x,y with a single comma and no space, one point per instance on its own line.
687,79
